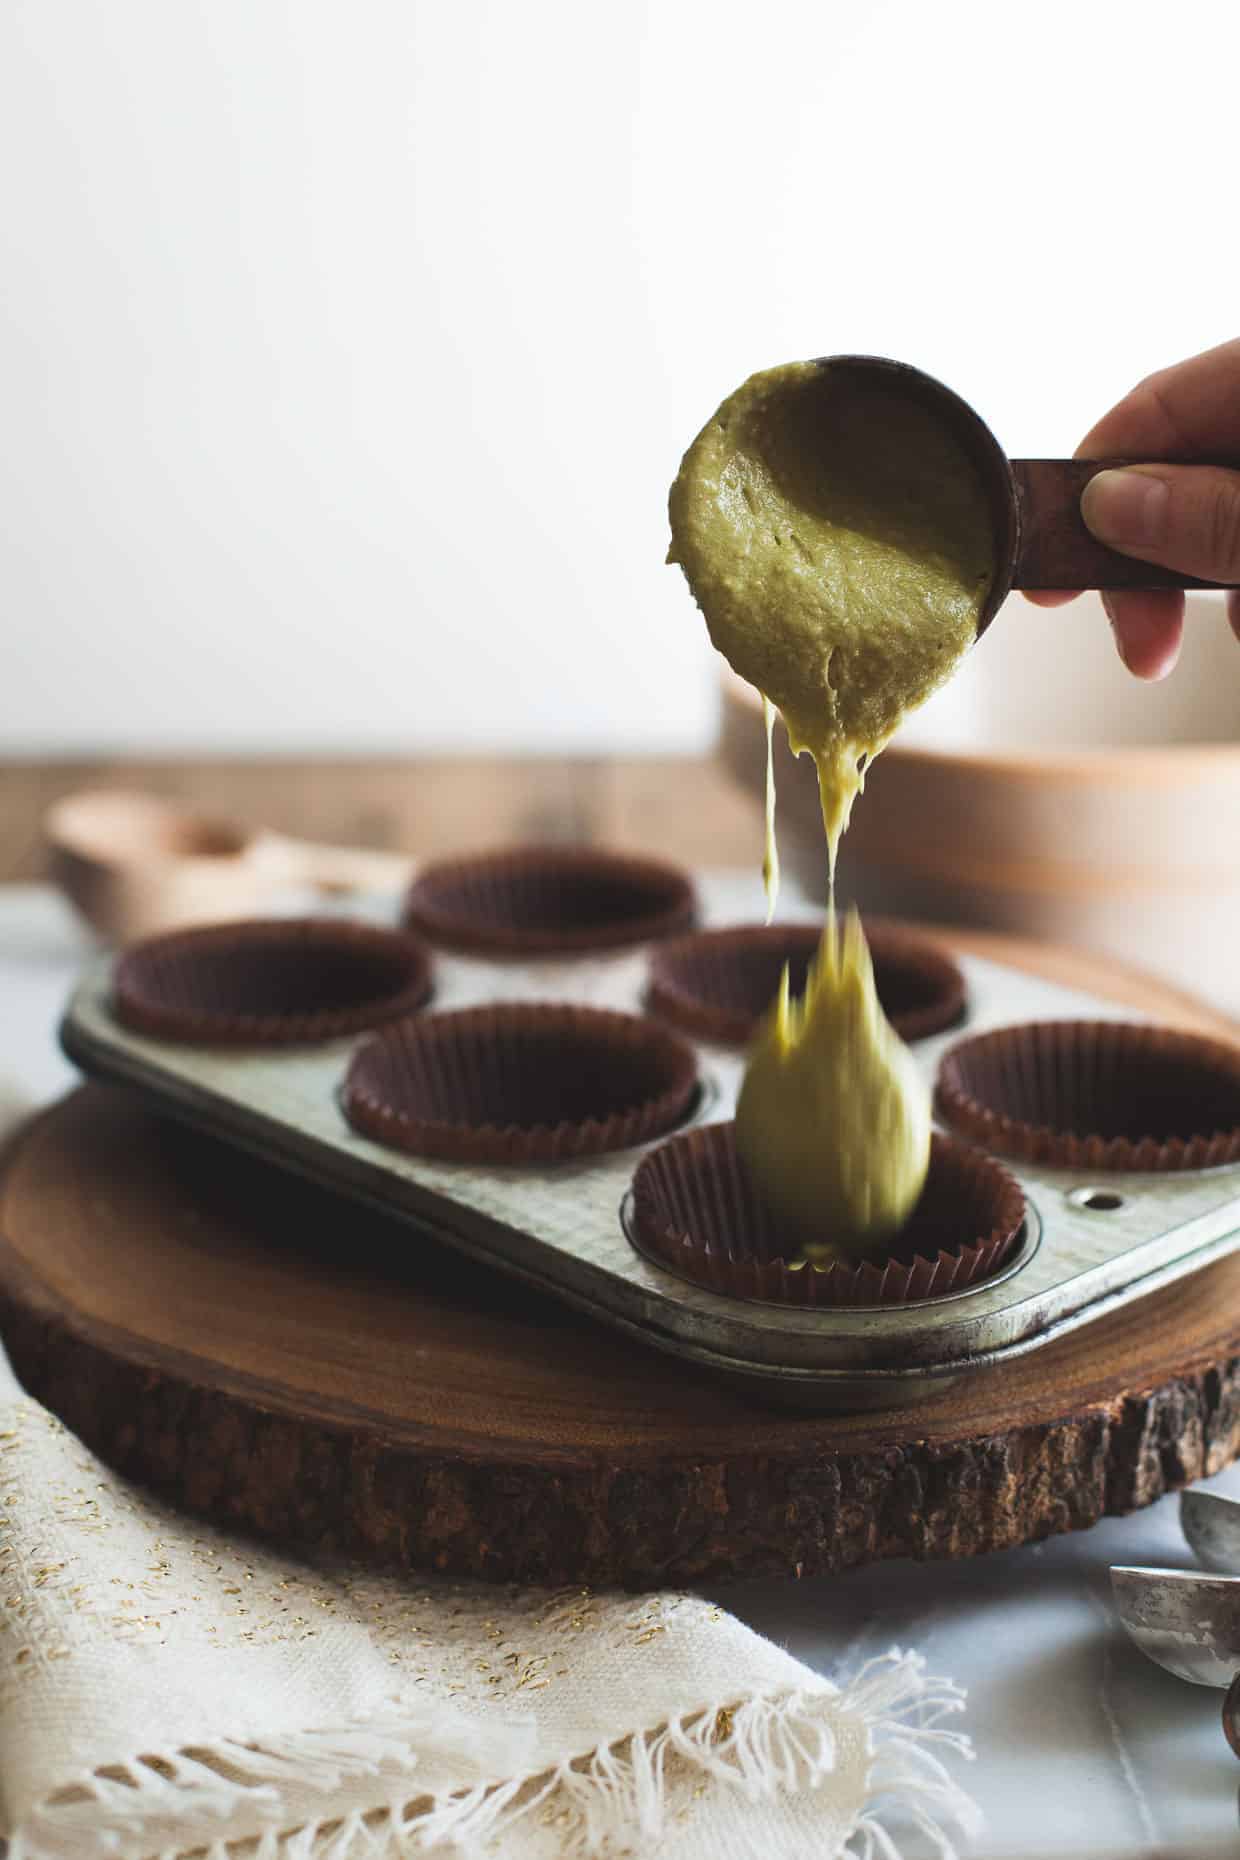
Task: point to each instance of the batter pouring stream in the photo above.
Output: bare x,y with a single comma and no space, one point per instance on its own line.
838,541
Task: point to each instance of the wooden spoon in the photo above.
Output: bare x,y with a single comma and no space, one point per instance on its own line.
133,864
1040,536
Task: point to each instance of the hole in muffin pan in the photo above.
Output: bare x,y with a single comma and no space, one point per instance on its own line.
1097,1200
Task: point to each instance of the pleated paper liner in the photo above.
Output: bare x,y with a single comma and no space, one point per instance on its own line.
549,901
717,984
519,1083
270,981
1095,1095
695,1211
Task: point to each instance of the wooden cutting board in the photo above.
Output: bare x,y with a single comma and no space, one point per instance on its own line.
276,1359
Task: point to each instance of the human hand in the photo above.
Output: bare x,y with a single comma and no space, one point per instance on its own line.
1185,517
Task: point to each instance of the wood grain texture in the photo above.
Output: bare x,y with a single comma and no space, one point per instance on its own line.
682,807
278,1360
1057,551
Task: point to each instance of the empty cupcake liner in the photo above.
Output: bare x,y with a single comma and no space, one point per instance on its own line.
695,1210
269,981
1095,1095
549,901
519,1083
920,987
717,984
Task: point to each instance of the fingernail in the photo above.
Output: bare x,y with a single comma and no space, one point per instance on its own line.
1116,630
1128,508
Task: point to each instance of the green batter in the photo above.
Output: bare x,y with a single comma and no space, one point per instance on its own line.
838,541
833,1118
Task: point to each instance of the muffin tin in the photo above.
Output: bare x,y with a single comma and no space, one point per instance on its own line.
1093,1236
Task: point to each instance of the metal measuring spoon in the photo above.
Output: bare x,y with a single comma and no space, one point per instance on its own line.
1035,504
1190,1623
1211,1524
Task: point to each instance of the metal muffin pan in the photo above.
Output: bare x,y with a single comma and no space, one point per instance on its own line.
562,1227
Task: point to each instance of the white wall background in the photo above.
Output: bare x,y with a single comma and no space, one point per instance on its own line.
348,346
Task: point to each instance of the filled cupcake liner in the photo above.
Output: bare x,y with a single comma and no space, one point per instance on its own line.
1097,1095
696,1211
269,981
519,1083
549,901
718,984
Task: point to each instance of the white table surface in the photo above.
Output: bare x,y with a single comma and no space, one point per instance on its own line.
1085,1751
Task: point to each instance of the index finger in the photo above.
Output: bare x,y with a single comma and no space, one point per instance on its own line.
1191,410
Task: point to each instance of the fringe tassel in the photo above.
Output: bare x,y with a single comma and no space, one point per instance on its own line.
760,1746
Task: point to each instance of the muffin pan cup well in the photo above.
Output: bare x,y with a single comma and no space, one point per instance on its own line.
519,1083
269,981
548,901
695,1211
718,984
1098,1095
560,1224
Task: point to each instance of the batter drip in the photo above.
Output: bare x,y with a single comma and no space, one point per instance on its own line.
838,541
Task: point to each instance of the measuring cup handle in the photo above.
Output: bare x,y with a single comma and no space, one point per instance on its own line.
1231,1715
1055,548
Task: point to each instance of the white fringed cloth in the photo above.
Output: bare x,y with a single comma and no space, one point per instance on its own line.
168,1690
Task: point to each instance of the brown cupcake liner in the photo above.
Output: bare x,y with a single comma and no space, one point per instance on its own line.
1095,1095
519,1083
718,984
269,981
549,901
920,987
695,1210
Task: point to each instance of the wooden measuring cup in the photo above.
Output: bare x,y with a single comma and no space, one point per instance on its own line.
1040,536
133,864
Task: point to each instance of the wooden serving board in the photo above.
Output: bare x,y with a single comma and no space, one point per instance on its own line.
280,1360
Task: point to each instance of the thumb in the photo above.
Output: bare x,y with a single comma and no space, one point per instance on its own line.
1184,517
